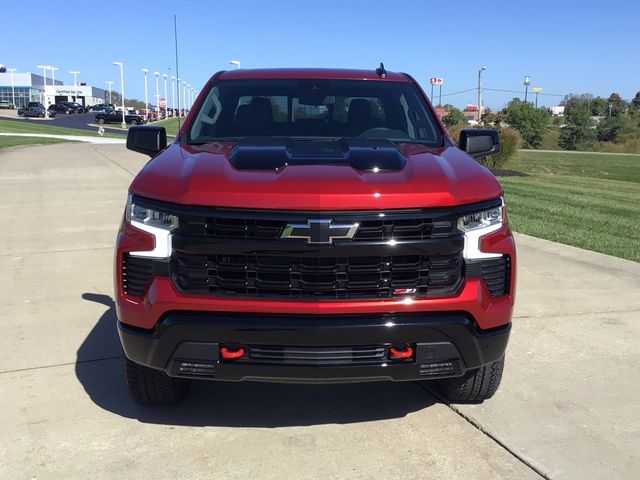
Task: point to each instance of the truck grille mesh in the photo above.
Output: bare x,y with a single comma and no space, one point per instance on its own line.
379,228
311,277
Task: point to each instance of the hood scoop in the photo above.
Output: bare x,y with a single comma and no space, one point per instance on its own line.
254,153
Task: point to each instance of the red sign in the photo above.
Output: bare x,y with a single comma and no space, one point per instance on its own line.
436,80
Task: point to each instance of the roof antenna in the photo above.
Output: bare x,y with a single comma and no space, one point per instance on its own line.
381,71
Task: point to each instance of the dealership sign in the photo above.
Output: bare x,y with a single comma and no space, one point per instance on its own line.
68,90
436,80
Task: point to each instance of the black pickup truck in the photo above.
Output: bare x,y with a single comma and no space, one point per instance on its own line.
114,116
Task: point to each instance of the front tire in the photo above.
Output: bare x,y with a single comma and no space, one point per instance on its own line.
101,121
151,387
133,122
475,386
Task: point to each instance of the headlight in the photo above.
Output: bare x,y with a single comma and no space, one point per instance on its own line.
147,216
478,224
157,223
484,219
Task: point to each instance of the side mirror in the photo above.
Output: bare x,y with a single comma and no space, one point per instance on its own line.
147,140
479,142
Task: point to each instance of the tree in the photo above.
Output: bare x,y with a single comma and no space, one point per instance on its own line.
636,101
454,116
578,133
531,123
617,105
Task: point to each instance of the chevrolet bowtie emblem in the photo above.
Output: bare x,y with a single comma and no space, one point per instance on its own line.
320,231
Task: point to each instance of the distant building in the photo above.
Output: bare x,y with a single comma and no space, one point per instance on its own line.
441,112
470,112
22,88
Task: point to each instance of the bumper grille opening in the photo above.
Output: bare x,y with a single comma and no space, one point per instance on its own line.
318,356
136,274
310,277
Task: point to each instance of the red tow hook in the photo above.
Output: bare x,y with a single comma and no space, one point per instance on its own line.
403,352
229,353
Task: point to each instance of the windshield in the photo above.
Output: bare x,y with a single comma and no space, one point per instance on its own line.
314,108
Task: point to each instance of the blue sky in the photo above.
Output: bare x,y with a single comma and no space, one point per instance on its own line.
566,46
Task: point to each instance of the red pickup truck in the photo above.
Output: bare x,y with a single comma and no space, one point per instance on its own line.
312,225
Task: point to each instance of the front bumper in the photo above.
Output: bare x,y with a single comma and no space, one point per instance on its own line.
186,344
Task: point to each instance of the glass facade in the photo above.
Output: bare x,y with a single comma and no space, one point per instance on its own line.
23,95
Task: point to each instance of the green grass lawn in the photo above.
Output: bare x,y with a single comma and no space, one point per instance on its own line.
591,201
171,124
13,126
15,141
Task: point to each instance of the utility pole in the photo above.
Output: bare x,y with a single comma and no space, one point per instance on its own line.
480,92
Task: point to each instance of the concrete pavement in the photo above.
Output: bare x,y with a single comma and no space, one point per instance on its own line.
567,408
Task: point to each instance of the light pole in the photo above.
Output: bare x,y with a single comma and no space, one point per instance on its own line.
109,83
13,92
189,97
166,100
236,63
121,65
75,84
184,97
178,94
53,75
526,82
146,96
173,95
44,74
157,74
480,92
537,90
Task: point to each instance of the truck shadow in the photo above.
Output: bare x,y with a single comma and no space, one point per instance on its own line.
229,404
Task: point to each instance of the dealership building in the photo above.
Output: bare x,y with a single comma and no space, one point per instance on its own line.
22,88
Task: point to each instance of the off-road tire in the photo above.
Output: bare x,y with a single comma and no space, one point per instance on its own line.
475,386
151,387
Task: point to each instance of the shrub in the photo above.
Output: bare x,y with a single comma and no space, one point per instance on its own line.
510,142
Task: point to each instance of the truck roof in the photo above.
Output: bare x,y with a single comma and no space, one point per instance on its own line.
330,73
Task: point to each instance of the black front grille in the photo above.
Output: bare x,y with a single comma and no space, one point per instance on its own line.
136,274
376,227
317,277
317,356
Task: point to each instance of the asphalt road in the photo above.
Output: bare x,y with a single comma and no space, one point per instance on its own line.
567,408
80,121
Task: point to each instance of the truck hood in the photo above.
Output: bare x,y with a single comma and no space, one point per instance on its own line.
204,175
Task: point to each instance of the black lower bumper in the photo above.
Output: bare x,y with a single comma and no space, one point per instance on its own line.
314,348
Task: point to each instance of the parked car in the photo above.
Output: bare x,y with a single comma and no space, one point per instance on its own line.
77,107
6,104
61,108
35,111
113,116
100,107
353,241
